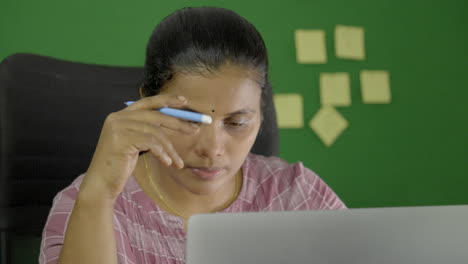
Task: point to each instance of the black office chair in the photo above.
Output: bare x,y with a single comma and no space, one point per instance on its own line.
51,115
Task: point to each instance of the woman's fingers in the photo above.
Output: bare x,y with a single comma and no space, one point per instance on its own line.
150,137
156,102
145,122
125,134
146,110
171,156
159,119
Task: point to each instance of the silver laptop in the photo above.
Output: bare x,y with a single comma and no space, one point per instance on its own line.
397,235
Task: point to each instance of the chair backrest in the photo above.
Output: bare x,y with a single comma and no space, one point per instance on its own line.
51,115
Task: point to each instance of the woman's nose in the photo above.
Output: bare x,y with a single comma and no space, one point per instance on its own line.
210,141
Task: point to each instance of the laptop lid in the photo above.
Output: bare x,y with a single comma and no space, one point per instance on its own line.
403,235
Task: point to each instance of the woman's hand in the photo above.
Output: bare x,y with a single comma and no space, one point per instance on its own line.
124,135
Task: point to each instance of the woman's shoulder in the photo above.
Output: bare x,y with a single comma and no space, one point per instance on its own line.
272,162
262,167
276,184
270,176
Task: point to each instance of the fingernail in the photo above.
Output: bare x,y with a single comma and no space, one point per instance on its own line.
181,98
167,159
180,161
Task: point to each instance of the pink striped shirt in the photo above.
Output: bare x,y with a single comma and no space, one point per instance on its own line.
146,234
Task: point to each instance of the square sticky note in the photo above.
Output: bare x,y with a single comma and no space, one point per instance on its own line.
310,46
349,42
289,110
375,87
328,124
335,89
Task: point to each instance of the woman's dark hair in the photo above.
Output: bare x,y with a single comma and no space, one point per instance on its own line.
200,40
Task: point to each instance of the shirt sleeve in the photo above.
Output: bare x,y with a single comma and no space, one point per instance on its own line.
293,187
54,230
319,195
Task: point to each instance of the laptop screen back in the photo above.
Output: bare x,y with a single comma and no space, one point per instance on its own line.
401,235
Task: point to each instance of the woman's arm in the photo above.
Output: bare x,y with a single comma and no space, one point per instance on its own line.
90,237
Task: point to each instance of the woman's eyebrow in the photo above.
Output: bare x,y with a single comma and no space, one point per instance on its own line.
242,112
237,112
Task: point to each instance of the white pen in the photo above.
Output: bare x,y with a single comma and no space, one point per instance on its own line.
187,115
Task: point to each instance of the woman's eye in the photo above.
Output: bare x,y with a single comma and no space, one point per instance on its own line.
236,124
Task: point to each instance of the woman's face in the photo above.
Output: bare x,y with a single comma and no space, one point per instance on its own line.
214,154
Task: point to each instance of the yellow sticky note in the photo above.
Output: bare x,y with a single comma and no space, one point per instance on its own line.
310,46
335,89
289,110
375,87
328,124
349,42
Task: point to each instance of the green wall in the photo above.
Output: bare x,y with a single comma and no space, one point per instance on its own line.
411,152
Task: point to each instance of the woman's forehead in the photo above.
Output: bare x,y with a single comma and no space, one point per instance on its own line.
226,91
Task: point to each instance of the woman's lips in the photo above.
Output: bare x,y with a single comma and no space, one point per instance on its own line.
206,173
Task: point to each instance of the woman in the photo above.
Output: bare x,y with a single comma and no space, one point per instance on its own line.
150,172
